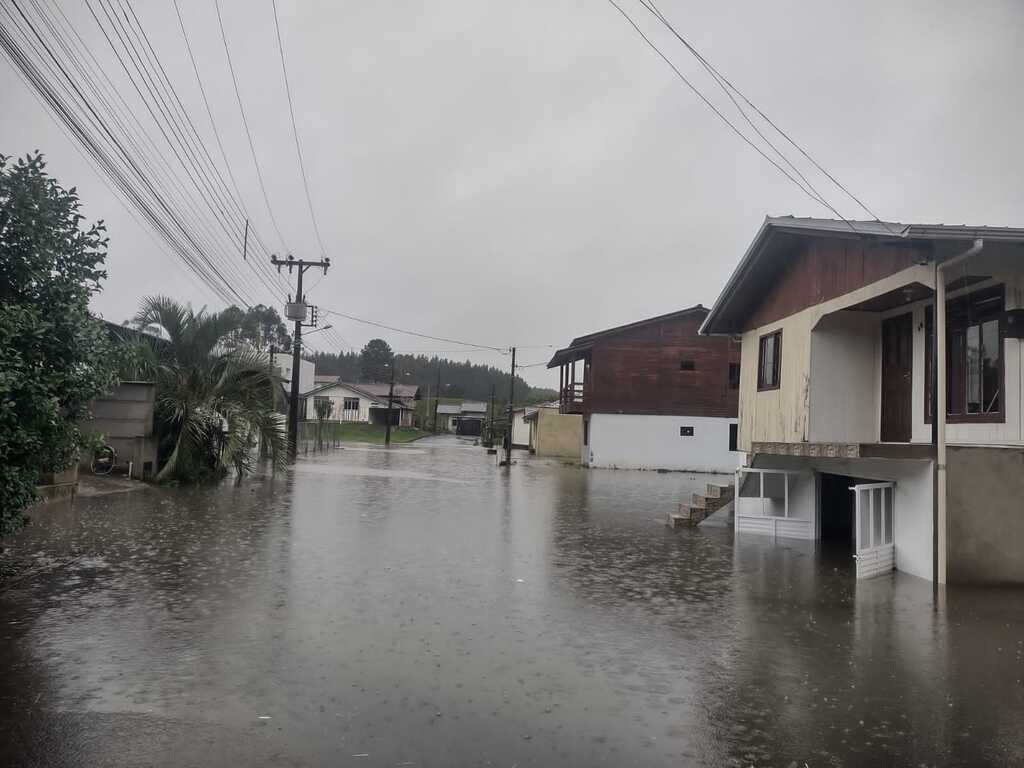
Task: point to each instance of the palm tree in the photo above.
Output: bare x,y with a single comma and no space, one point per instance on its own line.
213,403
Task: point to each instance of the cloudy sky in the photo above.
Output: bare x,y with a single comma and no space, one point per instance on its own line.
523,172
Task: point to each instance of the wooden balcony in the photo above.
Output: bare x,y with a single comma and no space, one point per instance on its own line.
573,398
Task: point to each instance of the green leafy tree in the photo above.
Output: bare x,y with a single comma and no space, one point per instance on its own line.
54,356
212,406
374,361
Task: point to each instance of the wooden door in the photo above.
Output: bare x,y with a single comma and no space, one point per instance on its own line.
897,366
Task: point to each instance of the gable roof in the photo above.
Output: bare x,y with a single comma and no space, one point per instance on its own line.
778,234
380,389
583,343
449,410
472,406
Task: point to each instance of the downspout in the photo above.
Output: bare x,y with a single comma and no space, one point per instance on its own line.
939,406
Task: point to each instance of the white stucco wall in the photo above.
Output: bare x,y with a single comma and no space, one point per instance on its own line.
625,441
307,371
520,429
844,378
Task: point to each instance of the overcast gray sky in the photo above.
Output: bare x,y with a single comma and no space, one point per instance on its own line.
524,172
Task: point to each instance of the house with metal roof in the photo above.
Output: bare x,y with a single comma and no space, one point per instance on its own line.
362,403
861,425
652,394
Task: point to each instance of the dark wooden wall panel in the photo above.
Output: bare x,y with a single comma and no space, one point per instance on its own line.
638,371
825,269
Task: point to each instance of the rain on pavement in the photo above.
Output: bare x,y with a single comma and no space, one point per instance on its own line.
421,607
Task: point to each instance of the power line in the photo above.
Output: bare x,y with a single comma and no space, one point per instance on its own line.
149,69
188,247
411,333
719,113
245,123
649,4
295,133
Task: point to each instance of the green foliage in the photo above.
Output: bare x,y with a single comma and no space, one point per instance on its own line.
54,356
374,361
214,402
459,380
260,326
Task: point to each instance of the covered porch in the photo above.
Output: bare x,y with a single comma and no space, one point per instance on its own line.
573,365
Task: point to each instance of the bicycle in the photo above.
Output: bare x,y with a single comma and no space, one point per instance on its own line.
103,460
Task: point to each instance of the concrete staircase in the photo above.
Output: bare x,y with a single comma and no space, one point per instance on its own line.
701,505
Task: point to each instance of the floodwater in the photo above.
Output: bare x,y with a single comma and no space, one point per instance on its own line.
421,607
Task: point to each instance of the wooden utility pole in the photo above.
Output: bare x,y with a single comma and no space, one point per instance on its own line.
391,396
437,401
296,310
511,400
490,426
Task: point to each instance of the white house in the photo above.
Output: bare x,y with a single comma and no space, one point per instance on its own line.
845,418
354,403
448,417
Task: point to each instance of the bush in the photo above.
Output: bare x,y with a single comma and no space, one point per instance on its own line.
54,356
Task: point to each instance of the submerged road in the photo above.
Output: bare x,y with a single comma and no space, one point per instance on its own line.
420,607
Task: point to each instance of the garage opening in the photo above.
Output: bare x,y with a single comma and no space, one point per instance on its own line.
836,503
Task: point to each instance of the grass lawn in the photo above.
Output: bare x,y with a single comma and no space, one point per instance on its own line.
361,433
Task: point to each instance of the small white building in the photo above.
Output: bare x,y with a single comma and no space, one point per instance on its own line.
448,417
353,403
307,372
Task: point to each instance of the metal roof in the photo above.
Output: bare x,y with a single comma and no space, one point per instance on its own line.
768,243
449,410
583,343
471,406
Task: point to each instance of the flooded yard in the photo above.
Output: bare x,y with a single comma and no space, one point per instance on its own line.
421,607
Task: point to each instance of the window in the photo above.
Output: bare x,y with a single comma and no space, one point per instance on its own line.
769,361
734,431
686,431
350,404
687,365
734,375
974,360
586,431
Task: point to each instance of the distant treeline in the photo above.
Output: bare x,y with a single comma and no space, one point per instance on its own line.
466,380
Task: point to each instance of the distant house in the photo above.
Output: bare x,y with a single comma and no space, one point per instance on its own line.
361,403
472,416
448,417
841,387
653,394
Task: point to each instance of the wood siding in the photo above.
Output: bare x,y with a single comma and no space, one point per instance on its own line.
638,371
824,269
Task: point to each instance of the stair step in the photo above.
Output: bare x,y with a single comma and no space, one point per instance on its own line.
716,491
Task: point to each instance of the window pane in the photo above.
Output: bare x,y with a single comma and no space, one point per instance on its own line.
769,361
973,369
955,374
990,380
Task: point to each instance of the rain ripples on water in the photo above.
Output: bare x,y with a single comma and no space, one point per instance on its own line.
423,607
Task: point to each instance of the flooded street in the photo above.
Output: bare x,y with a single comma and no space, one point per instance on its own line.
421,607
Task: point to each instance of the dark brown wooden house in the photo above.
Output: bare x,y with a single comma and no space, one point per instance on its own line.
653,394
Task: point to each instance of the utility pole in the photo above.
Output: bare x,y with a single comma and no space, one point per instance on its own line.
437,401
490,427
391,395
296,310
511,400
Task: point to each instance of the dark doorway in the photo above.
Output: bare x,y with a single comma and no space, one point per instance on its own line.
897,367
836,503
